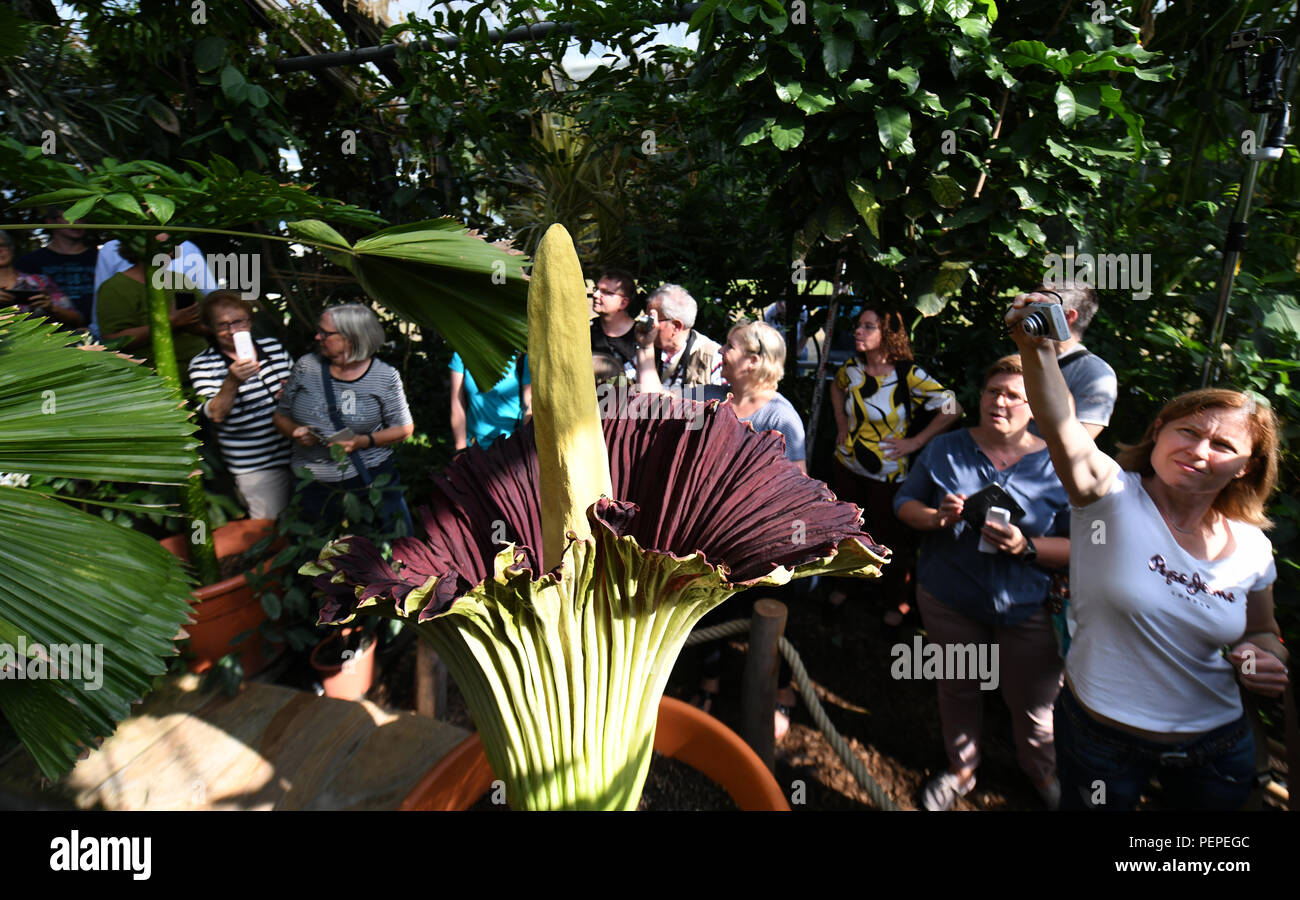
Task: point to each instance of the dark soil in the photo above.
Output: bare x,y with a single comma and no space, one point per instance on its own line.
670,786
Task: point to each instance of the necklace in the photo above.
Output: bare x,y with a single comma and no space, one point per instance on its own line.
1170,523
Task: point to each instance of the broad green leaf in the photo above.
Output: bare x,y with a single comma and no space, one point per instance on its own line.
864,201
163,116
1032,231
814,99
704,12
257,96
950,278
837,54
787,136
857,86
126,203
1067,110
929,303
946,191
864,23
908,76
966,216
894,125
788,91
756,130
233,84
1006,232
840,222
750,71
956,9
975,28
57,198
161,207
78,210
209,52
314,230
1023,53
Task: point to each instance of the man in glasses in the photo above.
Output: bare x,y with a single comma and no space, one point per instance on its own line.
612,300
240,392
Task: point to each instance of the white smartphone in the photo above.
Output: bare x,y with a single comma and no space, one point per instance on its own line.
1000,516
244,348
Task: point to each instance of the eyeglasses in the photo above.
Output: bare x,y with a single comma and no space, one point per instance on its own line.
234,325
325,334
601,292
867,328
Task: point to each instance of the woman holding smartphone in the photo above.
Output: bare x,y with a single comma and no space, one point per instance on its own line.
32,293
1170,568
990,597
345,397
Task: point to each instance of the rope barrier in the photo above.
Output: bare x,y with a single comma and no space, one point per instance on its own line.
741,626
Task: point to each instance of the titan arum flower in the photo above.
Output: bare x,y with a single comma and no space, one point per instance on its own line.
563,568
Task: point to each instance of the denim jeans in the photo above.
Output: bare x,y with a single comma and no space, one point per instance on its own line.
1104,768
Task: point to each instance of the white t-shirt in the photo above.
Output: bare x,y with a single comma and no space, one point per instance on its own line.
1149,619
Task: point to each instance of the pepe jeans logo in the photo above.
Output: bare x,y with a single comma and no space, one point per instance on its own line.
1193,584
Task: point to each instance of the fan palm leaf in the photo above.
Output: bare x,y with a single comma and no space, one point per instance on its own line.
111,599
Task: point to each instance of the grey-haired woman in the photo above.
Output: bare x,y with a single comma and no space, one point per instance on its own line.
346,397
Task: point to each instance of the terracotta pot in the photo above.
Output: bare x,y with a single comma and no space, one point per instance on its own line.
683,732
227,608
350,679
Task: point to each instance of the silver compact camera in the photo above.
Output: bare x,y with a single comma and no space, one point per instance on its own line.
645,321
1046,320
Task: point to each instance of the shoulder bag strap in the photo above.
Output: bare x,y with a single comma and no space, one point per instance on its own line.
1071,357
327,387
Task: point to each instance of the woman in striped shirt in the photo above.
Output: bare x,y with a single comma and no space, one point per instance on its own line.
239,399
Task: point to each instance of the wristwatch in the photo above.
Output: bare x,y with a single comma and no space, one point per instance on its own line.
1030,553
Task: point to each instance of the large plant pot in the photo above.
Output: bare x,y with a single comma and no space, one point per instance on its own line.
683,732
349,679
227,608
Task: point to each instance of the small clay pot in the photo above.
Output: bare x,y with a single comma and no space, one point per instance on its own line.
345,663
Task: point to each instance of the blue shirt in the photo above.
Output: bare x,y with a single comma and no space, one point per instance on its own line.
491,414
993,588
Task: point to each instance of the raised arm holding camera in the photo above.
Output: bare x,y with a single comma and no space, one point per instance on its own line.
1168,566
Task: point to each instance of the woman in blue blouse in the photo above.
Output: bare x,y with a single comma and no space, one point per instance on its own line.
990,602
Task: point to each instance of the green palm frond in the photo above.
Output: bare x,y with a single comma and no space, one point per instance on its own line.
441,276
68,579
84,414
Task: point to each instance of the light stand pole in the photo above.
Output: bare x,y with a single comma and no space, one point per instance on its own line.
1265,99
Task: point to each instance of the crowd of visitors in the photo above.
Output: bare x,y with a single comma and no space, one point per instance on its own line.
1168,564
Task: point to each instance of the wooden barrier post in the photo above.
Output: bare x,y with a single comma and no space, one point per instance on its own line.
758,685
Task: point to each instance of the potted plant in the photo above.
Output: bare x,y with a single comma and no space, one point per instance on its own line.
345,663
563,568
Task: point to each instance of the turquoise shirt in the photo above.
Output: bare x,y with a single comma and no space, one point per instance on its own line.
494,413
